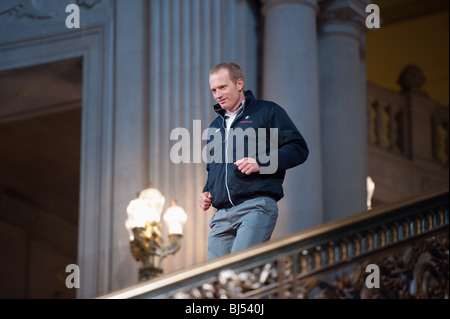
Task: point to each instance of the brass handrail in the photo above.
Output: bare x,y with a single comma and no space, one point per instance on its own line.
301,242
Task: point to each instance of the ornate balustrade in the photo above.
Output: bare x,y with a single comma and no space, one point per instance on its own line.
409,123
408,139
405,244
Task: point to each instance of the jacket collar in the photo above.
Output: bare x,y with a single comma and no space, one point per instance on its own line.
249,97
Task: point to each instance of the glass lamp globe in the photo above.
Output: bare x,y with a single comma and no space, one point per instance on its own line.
136,211
175,218
154,198
140,213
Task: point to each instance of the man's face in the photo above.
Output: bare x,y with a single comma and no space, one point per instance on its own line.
227,93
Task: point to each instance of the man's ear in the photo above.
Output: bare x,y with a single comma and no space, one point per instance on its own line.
240,84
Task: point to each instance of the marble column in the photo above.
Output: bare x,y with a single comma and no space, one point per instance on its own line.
342,106
290,79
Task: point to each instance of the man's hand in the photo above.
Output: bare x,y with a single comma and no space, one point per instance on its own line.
247,165
205,201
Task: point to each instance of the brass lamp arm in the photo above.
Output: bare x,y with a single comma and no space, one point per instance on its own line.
172,248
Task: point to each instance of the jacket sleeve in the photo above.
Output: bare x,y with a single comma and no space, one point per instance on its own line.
206,189
292,147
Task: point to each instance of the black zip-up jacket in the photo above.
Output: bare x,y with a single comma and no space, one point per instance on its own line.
227,185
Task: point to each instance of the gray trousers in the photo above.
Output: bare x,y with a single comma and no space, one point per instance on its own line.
244,225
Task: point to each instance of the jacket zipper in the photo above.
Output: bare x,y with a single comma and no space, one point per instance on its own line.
226,160
226,151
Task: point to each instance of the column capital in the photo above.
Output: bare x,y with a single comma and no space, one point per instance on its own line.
343,12
270,4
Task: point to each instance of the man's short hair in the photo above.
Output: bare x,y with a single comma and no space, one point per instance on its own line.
234,70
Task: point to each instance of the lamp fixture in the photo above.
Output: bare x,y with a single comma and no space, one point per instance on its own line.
370,191
144,227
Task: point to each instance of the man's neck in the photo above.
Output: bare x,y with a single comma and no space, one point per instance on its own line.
230,112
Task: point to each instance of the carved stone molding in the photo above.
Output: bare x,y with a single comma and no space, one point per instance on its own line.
24,8
345,11
269,4
88,3
19,9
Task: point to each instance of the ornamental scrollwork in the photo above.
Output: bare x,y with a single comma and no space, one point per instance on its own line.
232,285
415,271
419,272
